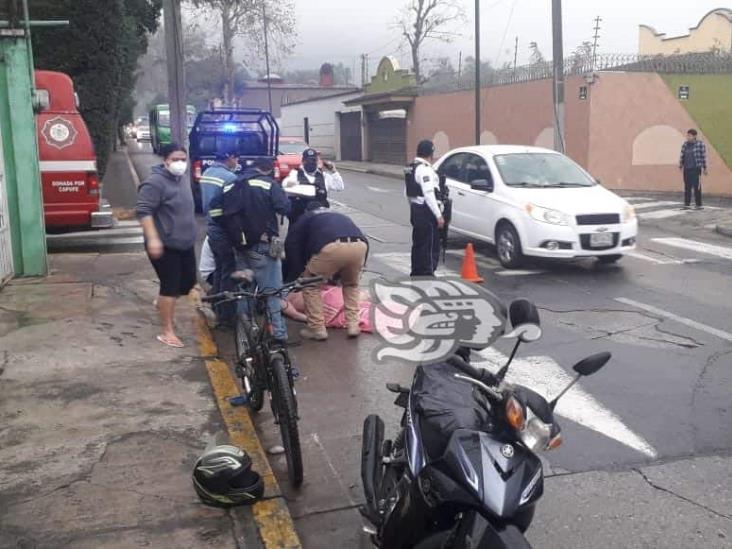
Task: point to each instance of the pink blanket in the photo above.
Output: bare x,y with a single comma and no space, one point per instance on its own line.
333,310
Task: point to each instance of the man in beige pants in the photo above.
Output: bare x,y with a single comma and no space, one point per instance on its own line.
329,244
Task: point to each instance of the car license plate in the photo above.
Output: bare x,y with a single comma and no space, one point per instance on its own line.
601,240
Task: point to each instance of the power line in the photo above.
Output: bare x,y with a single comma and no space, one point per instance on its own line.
505,32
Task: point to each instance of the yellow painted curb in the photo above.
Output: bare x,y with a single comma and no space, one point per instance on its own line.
272,516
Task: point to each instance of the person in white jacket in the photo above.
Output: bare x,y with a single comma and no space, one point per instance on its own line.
311,182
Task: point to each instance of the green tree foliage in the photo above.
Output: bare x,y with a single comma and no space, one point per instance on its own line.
99,50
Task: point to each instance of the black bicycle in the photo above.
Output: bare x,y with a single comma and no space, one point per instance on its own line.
263,363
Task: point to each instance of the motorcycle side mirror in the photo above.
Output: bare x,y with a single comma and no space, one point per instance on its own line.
524,320
526,328
585,367
592,364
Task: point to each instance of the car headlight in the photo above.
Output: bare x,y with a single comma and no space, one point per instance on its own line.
628,213
546,215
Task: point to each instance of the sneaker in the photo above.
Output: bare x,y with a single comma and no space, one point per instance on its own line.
317,335
353,331
685,208
698,207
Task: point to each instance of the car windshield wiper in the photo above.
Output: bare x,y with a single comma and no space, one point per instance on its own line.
525,184
565,184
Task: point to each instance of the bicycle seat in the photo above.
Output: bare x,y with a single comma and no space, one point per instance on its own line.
243,276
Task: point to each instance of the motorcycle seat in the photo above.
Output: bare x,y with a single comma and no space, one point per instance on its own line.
443,404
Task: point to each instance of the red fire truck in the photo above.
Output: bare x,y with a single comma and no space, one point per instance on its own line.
71,191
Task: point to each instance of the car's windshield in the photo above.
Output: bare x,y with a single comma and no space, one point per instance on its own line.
164,119
541,170
292,147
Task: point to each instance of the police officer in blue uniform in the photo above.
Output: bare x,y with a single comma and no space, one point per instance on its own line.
220,174
424,195
248,214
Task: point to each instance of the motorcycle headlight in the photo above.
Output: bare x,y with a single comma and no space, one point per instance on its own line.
546,215
537,436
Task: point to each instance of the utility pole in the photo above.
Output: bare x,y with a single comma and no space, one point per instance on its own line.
598,20
364,70
477,72
460,68
515,58
558,75
176,75
266,56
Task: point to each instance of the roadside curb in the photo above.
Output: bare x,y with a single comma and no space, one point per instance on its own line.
271,514
133,171
370,171
724,229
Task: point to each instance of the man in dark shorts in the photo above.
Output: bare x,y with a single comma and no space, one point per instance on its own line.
166,212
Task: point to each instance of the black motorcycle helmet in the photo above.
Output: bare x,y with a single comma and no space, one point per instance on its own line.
223,477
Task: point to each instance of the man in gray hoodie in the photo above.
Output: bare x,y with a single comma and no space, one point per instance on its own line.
166,212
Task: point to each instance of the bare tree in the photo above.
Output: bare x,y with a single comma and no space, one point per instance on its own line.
245,19
423,20
582,57
537,58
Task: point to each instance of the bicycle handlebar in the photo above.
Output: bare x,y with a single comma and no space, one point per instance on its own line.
296,285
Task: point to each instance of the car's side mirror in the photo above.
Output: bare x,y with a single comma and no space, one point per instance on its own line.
484,185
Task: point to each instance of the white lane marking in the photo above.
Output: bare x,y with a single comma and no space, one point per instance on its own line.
680,319
518,272
402,263
696,246
632,199
648,205
544,375
644,257
377,189
662,214
481,260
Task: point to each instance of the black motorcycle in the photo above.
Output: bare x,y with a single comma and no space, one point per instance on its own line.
463,470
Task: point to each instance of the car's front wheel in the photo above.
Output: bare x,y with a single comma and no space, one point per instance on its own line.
508,246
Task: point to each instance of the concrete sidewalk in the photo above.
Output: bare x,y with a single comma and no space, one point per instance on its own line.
99,423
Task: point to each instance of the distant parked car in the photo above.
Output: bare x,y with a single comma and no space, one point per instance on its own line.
535,202
289,156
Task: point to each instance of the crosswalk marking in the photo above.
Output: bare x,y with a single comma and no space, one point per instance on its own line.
644,257
633,199
680,319
661,214
518,272
545,376
696,246
648,205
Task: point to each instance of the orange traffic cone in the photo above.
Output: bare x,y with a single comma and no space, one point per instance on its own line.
469,270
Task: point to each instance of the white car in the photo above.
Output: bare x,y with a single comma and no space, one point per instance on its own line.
143,133
535,202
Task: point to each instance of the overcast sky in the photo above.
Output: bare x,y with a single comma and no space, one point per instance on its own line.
340,30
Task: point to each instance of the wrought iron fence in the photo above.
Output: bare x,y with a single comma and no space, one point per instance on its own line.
714,62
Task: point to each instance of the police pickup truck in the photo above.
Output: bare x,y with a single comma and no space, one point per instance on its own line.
252,133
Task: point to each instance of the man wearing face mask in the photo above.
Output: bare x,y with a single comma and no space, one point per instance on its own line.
310,173
166,212
213,181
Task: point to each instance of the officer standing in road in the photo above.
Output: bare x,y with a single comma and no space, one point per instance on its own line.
324,178
423,189
213,181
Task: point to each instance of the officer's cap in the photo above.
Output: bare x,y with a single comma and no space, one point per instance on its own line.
426,148
309,153
226,154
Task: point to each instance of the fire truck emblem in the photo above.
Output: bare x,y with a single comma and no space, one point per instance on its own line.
59,132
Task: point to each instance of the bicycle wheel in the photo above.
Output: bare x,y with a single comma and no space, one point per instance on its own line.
248,370
287,416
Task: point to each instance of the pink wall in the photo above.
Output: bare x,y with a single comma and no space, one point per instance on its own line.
514,114
601,131
623,106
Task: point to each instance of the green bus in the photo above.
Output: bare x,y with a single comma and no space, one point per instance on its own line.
160,125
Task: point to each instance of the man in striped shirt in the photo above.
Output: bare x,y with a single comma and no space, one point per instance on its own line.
219,175
692,163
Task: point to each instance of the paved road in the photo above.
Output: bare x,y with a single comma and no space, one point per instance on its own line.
647,440
663,313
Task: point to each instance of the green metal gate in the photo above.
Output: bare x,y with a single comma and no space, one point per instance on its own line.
6,248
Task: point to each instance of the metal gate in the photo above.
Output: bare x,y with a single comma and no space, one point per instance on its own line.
351,136
387,140
6,252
